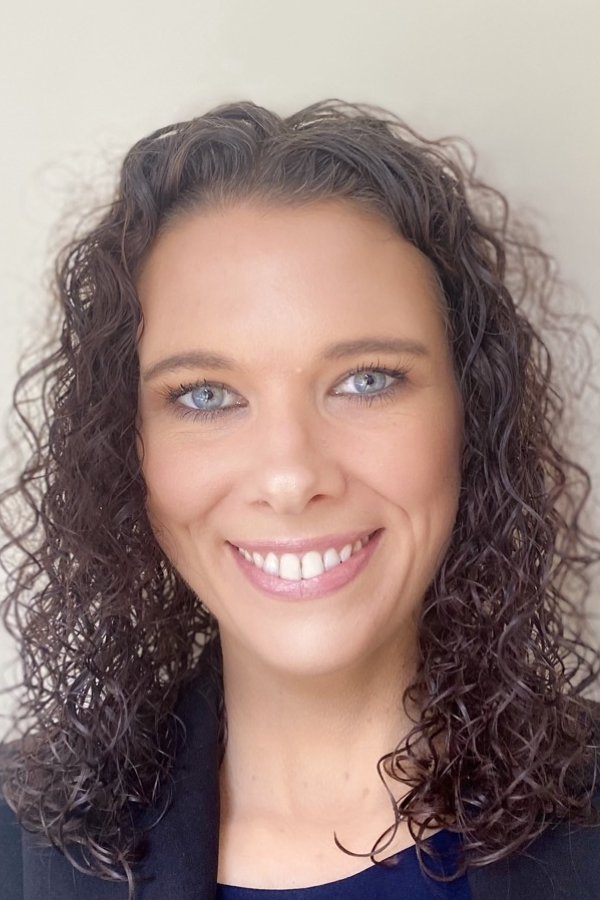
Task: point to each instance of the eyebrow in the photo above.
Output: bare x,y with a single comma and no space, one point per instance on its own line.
374,345
204,359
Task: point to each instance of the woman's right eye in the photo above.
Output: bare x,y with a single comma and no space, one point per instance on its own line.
206,399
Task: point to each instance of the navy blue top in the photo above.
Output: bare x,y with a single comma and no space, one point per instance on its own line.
379,882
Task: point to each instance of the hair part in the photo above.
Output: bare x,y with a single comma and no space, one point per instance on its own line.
110,633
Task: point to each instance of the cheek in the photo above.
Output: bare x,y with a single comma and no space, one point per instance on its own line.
418,469
182,483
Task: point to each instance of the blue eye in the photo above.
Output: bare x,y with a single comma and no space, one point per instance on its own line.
204,399
208,396
371,382
208,400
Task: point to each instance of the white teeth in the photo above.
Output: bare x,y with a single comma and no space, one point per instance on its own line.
331,559
346,552
271,564
290,567
312,564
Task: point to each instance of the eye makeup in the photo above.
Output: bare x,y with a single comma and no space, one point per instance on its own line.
397,377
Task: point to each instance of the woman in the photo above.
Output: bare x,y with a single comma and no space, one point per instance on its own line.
292,595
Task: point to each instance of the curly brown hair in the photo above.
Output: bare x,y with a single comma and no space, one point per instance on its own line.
109,632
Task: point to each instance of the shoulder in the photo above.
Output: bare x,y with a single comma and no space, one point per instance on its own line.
11,852
563,863
11,857
180,860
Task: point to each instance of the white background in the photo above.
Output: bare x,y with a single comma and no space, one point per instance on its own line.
80,82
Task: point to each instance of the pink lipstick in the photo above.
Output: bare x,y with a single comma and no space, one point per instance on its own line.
309,588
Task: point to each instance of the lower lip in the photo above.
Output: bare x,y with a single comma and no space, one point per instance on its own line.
320,585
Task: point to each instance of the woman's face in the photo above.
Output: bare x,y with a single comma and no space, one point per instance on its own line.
297,398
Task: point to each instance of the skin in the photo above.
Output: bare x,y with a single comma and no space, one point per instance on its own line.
301,456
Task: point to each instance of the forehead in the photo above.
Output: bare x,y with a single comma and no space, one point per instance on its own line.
273,274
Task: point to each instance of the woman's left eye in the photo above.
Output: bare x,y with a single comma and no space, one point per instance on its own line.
371,382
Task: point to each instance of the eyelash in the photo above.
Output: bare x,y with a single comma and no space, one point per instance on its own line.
173,395
207,415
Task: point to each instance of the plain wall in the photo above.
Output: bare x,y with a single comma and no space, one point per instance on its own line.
520,79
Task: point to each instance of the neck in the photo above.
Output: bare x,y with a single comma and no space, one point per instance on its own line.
307,747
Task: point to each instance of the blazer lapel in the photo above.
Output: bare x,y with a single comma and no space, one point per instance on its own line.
182,857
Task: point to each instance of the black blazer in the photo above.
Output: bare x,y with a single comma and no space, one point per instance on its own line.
562,864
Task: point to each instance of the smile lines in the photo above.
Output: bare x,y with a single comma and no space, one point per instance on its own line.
294,567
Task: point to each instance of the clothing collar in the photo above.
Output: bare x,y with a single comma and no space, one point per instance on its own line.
182,856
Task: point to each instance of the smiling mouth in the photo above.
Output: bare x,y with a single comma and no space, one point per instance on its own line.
305,566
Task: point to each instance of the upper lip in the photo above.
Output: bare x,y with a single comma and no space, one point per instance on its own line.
298,546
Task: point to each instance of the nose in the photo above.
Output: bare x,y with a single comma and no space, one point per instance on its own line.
292,462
